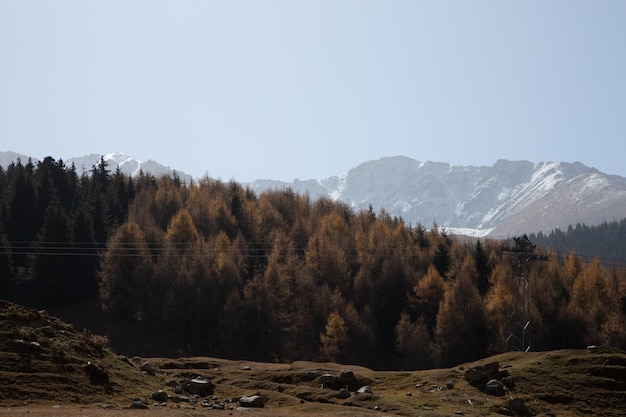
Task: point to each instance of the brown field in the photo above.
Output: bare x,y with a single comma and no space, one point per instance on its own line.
557,383
43,360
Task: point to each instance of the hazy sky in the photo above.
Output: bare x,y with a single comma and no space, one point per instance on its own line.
308,89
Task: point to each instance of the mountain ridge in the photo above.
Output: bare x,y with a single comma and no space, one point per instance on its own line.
505,199
128,165
502,200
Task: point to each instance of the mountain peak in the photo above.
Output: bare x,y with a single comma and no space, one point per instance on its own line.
507,198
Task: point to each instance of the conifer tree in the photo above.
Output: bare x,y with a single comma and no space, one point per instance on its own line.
442,259
499,302
22,225
231,327
119,196
326,255
98,195
335,340
426,297
85,264
593,301
181,231
51,270
483,269
124,268
6,275
461,331
413,343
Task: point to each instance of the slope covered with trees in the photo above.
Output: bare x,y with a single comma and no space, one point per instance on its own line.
607,241
52,223
280,277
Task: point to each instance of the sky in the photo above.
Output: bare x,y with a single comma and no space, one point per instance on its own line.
299,89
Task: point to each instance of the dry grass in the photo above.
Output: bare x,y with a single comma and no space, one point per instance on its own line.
48,379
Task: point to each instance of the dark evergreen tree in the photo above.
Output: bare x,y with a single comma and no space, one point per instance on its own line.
118,198
607,241
98,195
483,269
442,258
84,267
52,178
419,236
53,258
22,222
6,284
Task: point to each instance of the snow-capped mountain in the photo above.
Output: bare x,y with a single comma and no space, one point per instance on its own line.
506,199
127,164
503,200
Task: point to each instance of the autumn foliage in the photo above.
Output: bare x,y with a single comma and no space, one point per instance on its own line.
279,276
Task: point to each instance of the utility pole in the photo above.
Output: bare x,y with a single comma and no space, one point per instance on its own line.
518,323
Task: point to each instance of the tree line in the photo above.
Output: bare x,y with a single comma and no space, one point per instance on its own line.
53,221
281,277
607,241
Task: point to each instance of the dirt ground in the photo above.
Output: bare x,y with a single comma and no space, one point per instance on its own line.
314,410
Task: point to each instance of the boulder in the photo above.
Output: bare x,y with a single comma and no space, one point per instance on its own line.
148,368
509,382
199,386
343,393
519,407
160,396
365,390
253,401
310,375
346,379
480,375
494,387
179,399
329,381
137,404
97,374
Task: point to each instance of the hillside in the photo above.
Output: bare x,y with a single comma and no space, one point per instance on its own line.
44,359
44,371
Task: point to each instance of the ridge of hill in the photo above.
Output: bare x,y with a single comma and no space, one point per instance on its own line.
45,363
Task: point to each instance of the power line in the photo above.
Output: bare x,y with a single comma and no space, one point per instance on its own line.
250,248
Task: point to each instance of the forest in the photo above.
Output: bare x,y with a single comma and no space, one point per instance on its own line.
607,241
281,277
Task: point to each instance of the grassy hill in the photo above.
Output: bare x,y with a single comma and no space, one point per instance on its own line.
45,359
49,368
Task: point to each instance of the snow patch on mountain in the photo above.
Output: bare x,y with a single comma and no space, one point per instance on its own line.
508,198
